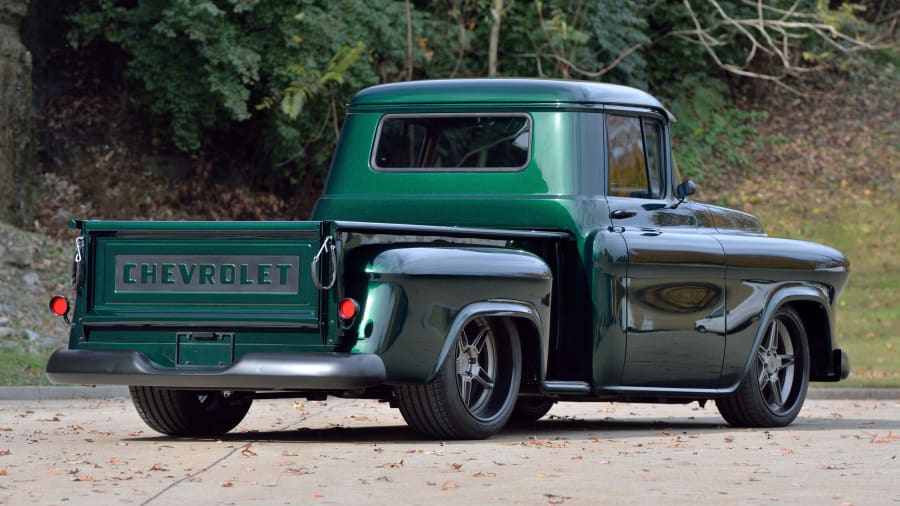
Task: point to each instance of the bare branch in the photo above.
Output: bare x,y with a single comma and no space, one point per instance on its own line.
573,67
771,31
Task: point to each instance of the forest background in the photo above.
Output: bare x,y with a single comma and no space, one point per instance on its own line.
230,109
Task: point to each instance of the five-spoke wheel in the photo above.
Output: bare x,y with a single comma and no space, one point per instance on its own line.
774,389
475,390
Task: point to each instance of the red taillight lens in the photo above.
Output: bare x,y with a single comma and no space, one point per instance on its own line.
59,305
348,308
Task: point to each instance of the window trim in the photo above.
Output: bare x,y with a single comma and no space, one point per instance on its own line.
665,158
373,165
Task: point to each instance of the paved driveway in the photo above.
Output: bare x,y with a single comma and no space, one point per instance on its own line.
97,451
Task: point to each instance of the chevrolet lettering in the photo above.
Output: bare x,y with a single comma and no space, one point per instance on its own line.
482,250
215,273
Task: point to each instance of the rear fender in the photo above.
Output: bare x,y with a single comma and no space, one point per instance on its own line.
417,299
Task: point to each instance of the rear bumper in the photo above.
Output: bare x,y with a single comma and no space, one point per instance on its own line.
253,371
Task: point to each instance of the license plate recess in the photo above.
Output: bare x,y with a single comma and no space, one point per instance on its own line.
204,350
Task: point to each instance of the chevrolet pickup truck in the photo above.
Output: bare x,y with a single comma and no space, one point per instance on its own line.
482,250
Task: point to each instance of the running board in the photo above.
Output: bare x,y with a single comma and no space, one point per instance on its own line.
566,387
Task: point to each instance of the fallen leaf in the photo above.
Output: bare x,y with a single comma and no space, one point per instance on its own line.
393,465
384,478
3,472
483,474
447,485
247,452
729,439
227,484
4,452
887,439
158,467
456,467
556,499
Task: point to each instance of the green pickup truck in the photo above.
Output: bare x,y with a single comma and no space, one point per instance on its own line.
482,250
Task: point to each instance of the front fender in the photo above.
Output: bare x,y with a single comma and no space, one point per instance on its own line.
785,294
418,298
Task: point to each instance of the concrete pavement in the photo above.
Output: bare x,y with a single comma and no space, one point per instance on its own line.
97,451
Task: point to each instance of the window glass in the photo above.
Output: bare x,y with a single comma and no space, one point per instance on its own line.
635,156
627,167
453,142
653,142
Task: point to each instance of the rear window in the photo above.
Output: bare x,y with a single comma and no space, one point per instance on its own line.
453,143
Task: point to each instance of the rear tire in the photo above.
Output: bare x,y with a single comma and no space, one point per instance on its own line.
773,391
189,412
475,390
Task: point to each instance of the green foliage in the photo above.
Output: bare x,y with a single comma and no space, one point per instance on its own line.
710,134
269,80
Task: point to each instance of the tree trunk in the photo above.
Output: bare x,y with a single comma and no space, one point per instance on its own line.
497,16
409,42
17,173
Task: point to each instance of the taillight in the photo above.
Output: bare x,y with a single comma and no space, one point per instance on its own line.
59,305
348,309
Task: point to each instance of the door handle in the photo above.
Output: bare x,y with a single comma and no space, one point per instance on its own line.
621,214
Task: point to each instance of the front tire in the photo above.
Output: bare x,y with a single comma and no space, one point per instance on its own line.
773,391
475,390
189,412
530,409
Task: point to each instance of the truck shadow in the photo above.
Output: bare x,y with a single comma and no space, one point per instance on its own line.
563,428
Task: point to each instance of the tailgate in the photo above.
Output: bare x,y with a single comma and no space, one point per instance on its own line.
249,272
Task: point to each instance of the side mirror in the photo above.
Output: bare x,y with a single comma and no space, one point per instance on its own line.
685,189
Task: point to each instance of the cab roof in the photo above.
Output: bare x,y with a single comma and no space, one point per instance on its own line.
505,91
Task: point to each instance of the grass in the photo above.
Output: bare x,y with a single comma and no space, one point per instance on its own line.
19,366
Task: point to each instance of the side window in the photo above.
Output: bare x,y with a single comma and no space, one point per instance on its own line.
634,147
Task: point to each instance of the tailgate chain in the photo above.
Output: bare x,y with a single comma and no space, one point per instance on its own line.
329,247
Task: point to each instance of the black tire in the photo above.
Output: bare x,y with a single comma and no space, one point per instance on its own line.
773,391
475,390
530,409
189,412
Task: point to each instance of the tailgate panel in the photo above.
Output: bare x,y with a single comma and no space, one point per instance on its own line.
203,271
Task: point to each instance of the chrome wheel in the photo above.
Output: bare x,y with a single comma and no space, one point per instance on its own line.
774,388
476,366
775,361
475,390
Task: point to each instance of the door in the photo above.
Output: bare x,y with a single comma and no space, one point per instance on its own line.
675,272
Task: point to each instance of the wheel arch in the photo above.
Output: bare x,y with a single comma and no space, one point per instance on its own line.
812,305
524,319
817,321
